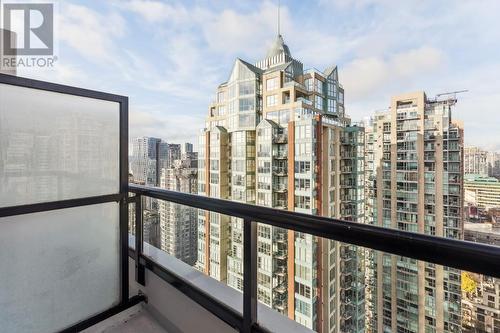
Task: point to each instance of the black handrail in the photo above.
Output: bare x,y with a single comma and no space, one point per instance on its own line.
458,254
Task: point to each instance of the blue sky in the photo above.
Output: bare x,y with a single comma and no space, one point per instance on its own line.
169,56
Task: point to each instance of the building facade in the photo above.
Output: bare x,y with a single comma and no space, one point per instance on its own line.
277,136
178,223
475,161
414,177
482,191
144,160
493,162
481,295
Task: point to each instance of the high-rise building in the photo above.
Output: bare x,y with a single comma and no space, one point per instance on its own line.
278,136
481,293
414,175
178,223
475,161
149,157
144,160
187,148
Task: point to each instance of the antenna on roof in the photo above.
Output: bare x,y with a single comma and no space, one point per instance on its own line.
279,5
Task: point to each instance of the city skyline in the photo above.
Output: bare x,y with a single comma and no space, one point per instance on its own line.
377,55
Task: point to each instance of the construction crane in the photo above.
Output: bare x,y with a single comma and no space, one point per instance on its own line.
454,93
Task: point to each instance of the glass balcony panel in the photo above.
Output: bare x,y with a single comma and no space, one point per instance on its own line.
58,267
56,146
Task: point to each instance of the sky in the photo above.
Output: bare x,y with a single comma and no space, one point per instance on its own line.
169,56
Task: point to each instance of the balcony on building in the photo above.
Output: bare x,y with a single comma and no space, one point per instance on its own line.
69,262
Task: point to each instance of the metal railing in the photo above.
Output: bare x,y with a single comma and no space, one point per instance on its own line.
463,255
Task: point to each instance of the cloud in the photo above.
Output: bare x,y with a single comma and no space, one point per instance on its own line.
156,11
90,33
170,56
173,127
368,77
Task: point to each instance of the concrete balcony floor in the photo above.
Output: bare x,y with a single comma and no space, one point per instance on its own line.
135,319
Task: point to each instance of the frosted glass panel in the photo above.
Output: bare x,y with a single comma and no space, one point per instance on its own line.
58,268
55,146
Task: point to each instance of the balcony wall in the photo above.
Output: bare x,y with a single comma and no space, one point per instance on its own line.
179,313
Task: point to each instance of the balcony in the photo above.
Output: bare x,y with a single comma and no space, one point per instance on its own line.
280,155
280,188
281,172
280,138
69,264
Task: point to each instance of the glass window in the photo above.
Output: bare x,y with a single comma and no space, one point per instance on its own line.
247,104
271,100
247,88
272,84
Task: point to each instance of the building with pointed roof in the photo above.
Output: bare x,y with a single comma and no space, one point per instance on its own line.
278,136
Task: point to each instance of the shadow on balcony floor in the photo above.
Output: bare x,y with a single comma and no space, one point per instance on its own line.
135,319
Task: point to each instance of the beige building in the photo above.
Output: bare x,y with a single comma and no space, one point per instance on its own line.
482,191
278,136
178,226
414,175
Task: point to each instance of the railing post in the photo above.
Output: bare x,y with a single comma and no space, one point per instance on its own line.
140,275
249,275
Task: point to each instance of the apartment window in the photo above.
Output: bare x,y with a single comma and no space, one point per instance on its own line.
302,201
303,184
220,97
264,231
331,105
303,272
318,102
318,86
247,88
263,280
303,307
302,166
247,104
272,84
330,86
309,84
302,289
264,248
272,100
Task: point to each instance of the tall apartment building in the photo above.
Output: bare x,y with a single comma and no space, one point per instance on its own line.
278,136
414,175
475,161
178,223
149,157
144,160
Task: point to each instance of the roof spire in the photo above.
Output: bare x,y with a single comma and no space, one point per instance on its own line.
279,5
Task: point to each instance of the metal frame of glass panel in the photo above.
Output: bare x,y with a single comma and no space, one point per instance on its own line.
120,197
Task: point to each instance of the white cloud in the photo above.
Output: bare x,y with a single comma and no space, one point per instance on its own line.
179,52
156,11
368,77
90,33
175,127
